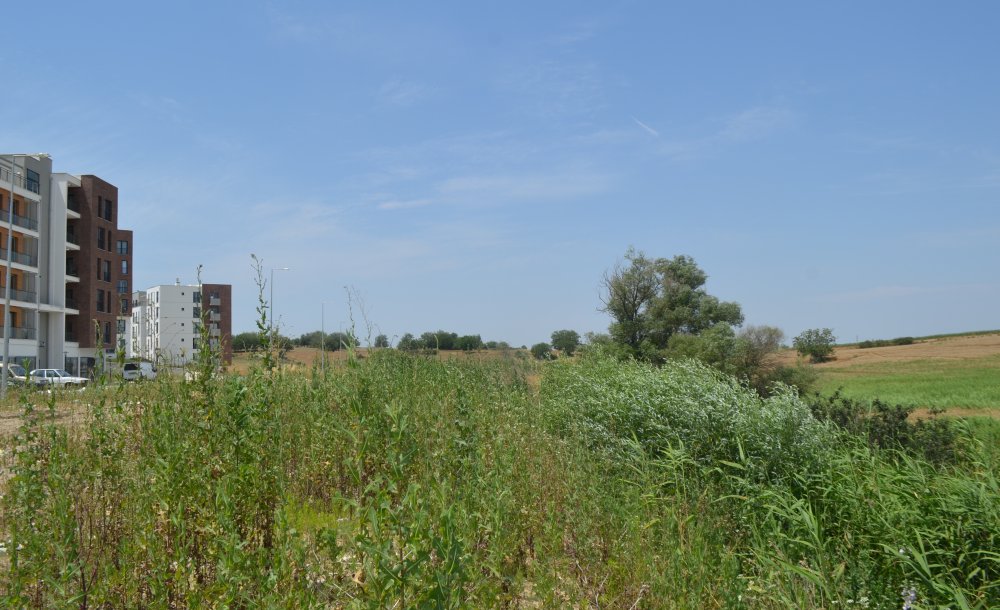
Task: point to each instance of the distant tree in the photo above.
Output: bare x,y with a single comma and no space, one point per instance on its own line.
566,341
817,343
651,300
408,343
246,342
491,345
469,343
381,341
438,340
541,351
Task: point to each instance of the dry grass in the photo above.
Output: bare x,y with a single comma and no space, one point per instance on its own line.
946,348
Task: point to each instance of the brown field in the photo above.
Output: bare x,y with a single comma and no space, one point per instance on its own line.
946,348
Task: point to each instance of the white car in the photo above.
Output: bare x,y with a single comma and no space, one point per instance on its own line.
134,371
56,377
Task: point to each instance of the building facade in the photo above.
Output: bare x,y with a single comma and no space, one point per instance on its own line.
166,323
65,303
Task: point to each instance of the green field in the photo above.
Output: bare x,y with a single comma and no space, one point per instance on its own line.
970,383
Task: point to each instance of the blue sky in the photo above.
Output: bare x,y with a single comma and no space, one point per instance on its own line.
477,168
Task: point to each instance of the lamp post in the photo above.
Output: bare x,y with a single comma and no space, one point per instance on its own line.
273,269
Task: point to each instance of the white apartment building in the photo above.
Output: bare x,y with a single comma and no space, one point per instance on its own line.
50,311
165,327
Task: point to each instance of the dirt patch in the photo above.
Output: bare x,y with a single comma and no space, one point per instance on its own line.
947,348
922,413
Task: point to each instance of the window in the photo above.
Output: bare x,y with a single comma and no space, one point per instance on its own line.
122,247
194,343
98,268
107,210
106,270
196,312
124,306
100,237
33,181
124,267
121,326
197,296
107,332
100,300
122,286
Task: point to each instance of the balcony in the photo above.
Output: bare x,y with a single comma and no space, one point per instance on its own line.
71,303
215,302
19,332
214,317
20,180
23,221
22,258
72,239
18,295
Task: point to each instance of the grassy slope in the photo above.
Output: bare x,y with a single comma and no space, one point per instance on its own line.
948,371
971,383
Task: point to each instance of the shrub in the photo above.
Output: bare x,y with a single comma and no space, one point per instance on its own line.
816,343
541,351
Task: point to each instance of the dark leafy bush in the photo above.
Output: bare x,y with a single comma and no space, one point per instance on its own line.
887,426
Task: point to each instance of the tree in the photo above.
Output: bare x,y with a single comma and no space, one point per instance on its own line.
566,341
541,351
817,343
381,341
408,343
469,343
652,300
246,342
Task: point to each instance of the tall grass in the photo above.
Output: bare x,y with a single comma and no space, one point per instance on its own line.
403,481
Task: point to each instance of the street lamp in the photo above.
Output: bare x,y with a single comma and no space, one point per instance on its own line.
273,269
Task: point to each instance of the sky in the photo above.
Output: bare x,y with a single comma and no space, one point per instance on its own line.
477,167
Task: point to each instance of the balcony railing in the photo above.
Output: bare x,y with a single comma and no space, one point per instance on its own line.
19,332
19,257
20,180
24,221
214,317
214,302
73,239
18,295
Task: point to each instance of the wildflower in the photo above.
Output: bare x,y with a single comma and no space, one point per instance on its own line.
909,598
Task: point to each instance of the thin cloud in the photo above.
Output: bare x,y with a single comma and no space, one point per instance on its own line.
401,93
756,123
888,292
404,205
753,124
646,127
525,187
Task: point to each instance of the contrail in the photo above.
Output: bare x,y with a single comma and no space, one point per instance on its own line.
646,127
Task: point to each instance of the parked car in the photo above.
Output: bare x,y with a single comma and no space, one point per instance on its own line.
134,371
16,374
56,377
